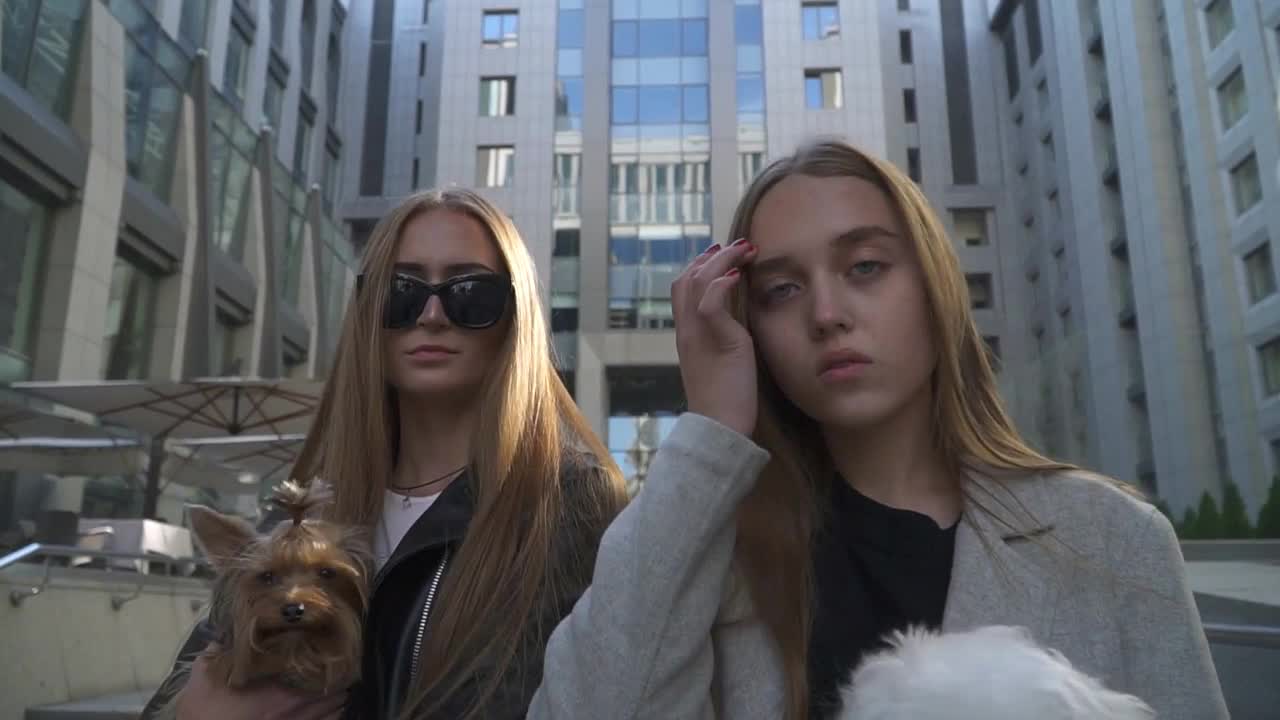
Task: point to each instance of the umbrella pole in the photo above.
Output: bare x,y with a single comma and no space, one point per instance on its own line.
151,496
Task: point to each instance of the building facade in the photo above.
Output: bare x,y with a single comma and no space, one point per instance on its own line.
619,135
1144,143
168,179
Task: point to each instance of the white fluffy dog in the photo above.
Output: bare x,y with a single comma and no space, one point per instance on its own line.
992,673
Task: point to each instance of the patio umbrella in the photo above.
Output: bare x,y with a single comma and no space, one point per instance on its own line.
72,456
194,409
262,455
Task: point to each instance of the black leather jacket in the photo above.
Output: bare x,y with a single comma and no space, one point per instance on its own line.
403,601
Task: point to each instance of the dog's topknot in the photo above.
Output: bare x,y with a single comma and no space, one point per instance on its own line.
301,501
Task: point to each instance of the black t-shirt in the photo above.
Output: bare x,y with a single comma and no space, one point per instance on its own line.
877,569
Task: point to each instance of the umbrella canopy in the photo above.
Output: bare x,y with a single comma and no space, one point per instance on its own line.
192,410
207,408
23,416
265,456
73,456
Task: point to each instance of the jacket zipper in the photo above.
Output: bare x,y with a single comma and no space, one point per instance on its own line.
426,612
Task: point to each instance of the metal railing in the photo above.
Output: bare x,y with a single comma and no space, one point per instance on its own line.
16,597
1261,636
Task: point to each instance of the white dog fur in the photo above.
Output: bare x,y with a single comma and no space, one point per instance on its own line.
992,673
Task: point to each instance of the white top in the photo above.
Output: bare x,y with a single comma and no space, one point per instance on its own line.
395,520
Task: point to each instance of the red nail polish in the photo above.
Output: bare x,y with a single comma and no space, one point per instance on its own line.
735,272
711,250
740,241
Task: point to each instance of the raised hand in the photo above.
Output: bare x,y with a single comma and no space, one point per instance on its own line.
717,357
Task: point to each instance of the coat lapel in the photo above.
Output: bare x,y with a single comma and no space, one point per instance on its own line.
992,581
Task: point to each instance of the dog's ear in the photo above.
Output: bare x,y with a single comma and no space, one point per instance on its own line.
223,537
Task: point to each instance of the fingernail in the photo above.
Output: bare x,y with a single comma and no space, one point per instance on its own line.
735,272
711,250
740,241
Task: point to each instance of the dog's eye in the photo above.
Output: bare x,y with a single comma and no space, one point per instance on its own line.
327,573
266,577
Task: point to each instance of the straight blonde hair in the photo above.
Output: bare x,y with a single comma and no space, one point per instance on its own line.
507,566
971,428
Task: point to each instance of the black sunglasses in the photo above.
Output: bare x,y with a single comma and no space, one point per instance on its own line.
474,302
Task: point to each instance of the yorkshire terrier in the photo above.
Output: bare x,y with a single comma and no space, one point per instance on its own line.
990,673
287,606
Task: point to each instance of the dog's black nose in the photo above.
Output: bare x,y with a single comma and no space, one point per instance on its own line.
293,612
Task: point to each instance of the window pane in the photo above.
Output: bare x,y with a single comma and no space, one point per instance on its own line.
832,89
1220,21
19,27
658,38
161,127
624,39
747,26
53,52
1260,273
660,104
492,30
694,71
626,9
569,99
624,105
656,9
905,53
1269,357
829,20
813,92
660,71
570,31
626,71
130,313
809,18
751,93
497,97
21,246
695,37
192,24
695,103
1233,100
495,166
569,62
1246,185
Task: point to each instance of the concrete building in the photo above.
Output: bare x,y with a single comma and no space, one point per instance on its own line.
617,178
1140,138
167,178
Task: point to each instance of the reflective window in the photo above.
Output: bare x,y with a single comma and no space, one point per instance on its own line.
495,166
694,40
329,182
497,96
1269,359
22,245
624,39
569,33
307,42
273,103
569,103
1260,274
823,89
820,20
39,45
156,76
236,70
695,104
658,38
979,290
1246,185
191,26
660,104
333,74
1233,101
291,204
747,24
127,339
302,151
1219,20
624,105
231,146
278,8
750,93
501,28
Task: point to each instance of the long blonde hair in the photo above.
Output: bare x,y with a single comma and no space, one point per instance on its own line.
970,425
526,425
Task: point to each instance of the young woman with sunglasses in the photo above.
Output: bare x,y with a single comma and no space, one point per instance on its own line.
445,430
